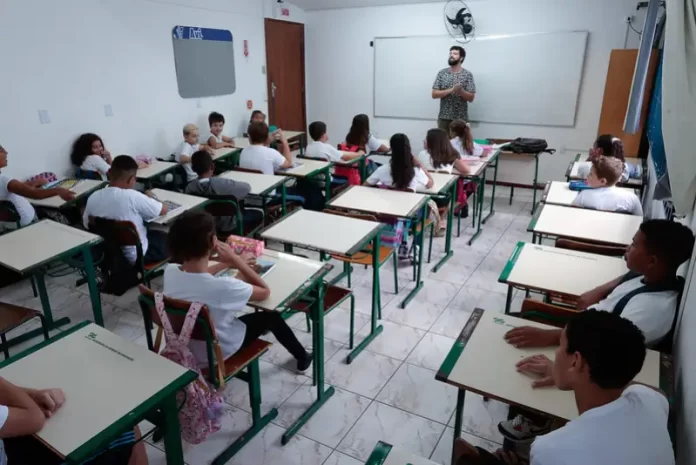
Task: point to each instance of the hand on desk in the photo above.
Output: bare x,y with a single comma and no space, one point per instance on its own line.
48,400
539,365
66,194
529,336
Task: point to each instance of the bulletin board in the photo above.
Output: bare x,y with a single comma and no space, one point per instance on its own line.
204,61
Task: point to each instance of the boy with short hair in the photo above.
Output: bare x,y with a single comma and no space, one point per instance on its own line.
321,149
217,140
259,156
188,146
15,192
620,422
120,202
604,195
206,185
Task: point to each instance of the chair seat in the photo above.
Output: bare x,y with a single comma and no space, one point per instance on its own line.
243,357
12,316
365,257
155,265
333,295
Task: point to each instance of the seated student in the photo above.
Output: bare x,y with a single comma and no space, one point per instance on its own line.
89,154
207,185
604,195
463,140
192,240
16,191
257,116
119,201
610,146
404,171
188,146
320,148
218,140
439,155
620,422
360,138
259,156
24,412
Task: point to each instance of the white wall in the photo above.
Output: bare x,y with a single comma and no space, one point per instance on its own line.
72,57
340,65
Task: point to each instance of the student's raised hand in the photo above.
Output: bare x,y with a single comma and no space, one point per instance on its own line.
529,336
48,400
65,194
538,365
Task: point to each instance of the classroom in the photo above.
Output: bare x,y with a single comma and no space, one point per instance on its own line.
344,232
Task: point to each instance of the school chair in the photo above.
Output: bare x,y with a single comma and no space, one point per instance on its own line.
117,234
87,174
338,184
9,214
273,212
589,247
226,206
244,364
14,316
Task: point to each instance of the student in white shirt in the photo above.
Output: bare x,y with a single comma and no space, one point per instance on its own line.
439,155
463,140
620,422
604,195
359,136
259,156
404,171
89,154
320,148
610,146
187,148
217,139
192,240
16,192
119,201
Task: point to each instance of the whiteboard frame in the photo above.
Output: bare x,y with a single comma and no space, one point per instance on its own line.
483,37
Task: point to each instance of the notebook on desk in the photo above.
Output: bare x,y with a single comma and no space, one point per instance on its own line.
295,164
69,183
262,267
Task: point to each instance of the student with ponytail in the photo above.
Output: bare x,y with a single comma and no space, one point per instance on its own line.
463,140
404,171
440,155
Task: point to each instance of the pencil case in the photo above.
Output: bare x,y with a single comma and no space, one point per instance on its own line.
578,186
245,245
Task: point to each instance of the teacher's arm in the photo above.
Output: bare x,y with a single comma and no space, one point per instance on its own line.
439,90
468,90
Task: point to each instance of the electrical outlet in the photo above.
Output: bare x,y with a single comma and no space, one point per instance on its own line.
108,110
43,117
199,104
628,19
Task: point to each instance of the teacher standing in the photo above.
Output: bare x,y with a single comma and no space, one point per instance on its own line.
455,88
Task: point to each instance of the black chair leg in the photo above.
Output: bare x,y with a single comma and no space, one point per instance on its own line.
5,347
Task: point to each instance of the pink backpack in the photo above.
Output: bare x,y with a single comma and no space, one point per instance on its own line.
203,407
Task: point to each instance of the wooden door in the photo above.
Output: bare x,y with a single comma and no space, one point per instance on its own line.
285,73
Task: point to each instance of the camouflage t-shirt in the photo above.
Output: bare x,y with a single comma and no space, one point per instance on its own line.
453,106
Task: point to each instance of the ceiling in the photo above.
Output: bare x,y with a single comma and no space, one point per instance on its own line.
309,5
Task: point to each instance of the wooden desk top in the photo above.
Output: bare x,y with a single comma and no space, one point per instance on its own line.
307,168
155,168
83,188
559,193
441,183
379,201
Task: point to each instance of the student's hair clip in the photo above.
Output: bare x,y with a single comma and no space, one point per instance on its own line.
614,140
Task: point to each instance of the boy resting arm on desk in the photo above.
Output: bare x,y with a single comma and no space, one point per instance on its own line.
188,146
217,139
604,195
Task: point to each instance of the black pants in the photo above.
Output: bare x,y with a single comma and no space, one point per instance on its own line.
27,450
260,323
157,246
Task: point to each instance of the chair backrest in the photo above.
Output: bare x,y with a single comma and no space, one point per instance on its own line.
87,174
8,213
223,205
247,170
580,246
122,233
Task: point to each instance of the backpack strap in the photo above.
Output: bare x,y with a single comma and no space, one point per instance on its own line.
190,322
674,285
169,333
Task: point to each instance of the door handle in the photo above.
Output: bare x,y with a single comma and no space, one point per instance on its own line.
273,89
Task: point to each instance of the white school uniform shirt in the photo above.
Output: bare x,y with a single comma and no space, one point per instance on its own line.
318,149
4,413
382,175
632,430
260,157
612,199
225,297
652,312
459,147
21,204
96,163
373,144
187,149
218,139
427,162
584,168
114,203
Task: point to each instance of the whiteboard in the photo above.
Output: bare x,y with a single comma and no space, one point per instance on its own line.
520,79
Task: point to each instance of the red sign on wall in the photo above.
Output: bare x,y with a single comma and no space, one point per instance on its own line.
285,12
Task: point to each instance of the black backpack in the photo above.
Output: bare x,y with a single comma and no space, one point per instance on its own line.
526,145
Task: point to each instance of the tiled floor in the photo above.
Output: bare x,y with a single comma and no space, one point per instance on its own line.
389,392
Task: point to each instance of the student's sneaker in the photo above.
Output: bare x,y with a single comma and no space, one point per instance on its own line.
522,429
464,211
403,251
303,365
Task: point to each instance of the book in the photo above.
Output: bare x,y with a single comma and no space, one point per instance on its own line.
171,206
68,183
295,164
262,266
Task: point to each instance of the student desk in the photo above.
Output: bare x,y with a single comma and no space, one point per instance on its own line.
444,185
228,157
262,186
567,272
386,454
187,202
311,169
559,193
296,136
334,234
110,385
481,361
574,173
153,170
391,203
82,190
241,142
30,249
499,143
292,278
584,224
361,161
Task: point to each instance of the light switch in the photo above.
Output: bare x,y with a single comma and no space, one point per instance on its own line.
43,117
108,110
199,104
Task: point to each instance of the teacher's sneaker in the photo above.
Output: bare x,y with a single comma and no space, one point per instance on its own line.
522,429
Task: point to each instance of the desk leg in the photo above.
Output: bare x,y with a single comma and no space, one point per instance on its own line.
495,182
419,282
172,431
374,329
327,177
318,343
479,211
508,300
363,169
459,413
534,187
93,289
450,225
283,199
